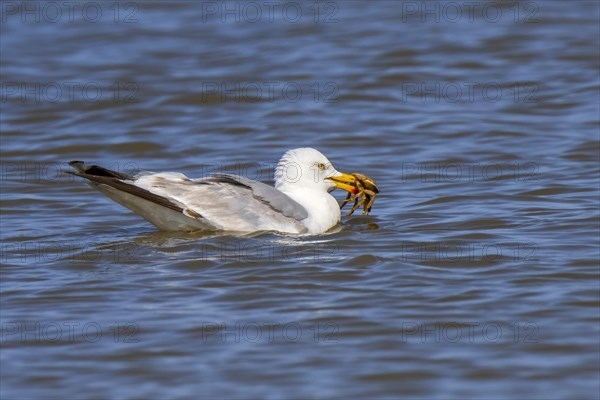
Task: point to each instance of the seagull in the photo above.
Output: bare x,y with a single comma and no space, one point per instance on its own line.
300,202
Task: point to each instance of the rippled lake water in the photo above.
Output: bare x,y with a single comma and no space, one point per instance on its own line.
475,276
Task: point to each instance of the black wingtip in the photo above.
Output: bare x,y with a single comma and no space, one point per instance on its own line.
78,165
96,170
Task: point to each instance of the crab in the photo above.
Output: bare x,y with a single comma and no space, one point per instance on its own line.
365,189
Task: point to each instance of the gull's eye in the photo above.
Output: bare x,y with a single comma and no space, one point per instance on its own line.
321,166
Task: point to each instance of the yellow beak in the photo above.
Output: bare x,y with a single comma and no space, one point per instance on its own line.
344,181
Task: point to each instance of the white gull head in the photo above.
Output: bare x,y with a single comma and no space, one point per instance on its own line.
304,175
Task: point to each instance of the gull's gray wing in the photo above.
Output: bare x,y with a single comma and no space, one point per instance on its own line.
230,202
172,201
277,200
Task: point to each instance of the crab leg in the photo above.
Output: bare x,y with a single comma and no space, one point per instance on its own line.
357,204
371,196
347,200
